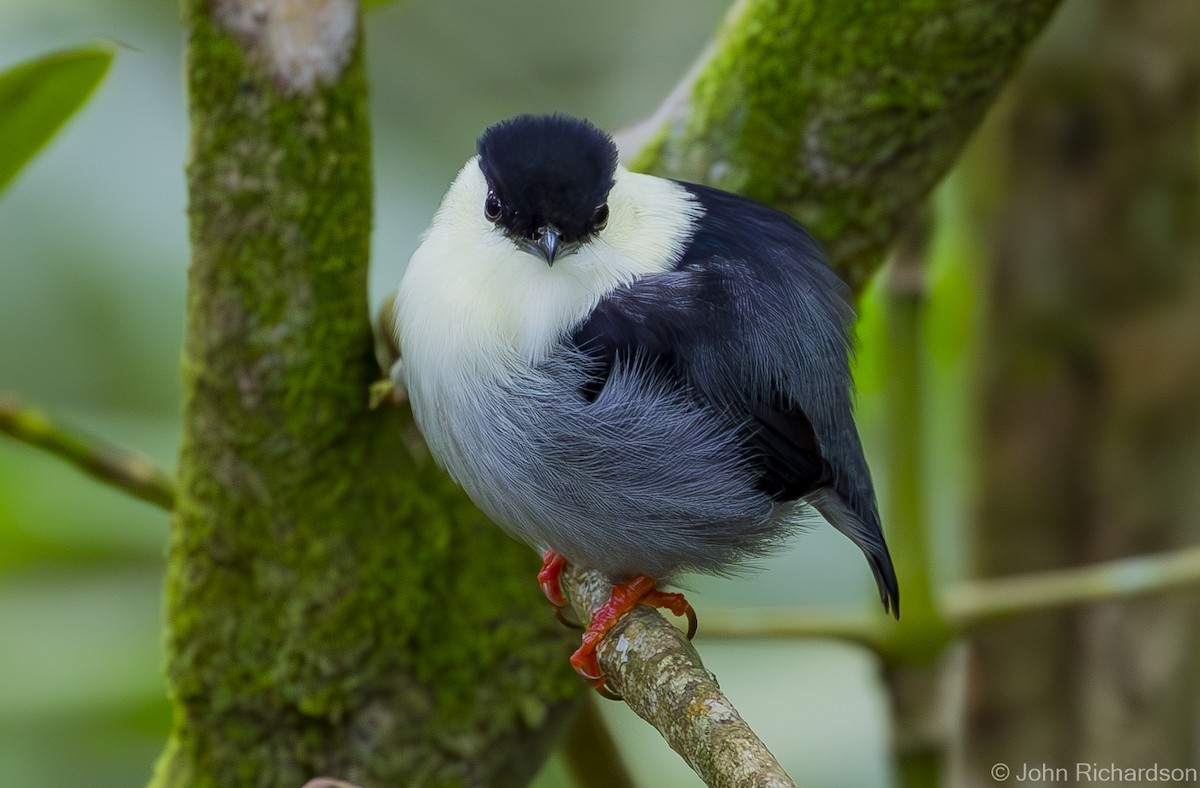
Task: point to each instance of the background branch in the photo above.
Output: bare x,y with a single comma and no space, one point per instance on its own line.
976,602
591,754
112,465
982,601
786,623
843,118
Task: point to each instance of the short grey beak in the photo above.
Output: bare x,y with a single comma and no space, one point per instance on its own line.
549,243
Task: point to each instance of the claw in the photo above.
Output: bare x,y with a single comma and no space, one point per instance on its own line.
588,666
677,604
566,622
604,692
548,577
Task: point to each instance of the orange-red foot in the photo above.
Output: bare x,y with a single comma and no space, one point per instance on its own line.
552,566
639,590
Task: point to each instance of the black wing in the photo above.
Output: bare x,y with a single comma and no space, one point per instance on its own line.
754,323
664,323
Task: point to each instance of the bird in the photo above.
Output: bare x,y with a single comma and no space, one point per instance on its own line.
633,374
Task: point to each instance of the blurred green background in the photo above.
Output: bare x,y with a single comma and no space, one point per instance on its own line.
92,278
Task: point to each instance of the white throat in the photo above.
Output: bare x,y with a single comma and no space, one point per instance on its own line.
471,303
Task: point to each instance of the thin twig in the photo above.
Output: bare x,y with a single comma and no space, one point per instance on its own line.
971,604
782,623
126,470
653,666
982,601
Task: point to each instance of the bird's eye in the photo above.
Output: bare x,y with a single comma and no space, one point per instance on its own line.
600,218
493,209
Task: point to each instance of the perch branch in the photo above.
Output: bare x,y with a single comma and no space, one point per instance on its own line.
117,467
653,666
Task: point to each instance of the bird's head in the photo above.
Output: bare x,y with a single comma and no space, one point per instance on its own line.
548,179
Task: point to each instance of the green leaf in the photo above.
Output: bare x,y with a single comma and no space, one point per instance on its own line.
38,96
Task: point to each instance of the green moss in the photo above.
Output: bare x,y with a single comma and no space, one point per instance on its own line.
333,606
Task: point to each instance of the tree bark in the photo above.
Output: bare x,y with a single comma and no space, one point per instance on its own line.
1092,389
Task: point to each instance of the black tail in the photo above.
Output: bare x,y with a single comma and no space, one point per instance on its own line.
865,532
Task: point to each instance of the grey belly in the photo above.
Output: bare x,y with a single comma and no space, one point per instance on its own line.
642,481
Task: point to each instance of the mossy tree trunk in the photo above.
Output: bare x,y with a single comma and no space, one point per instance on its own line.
1092,389
334,607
